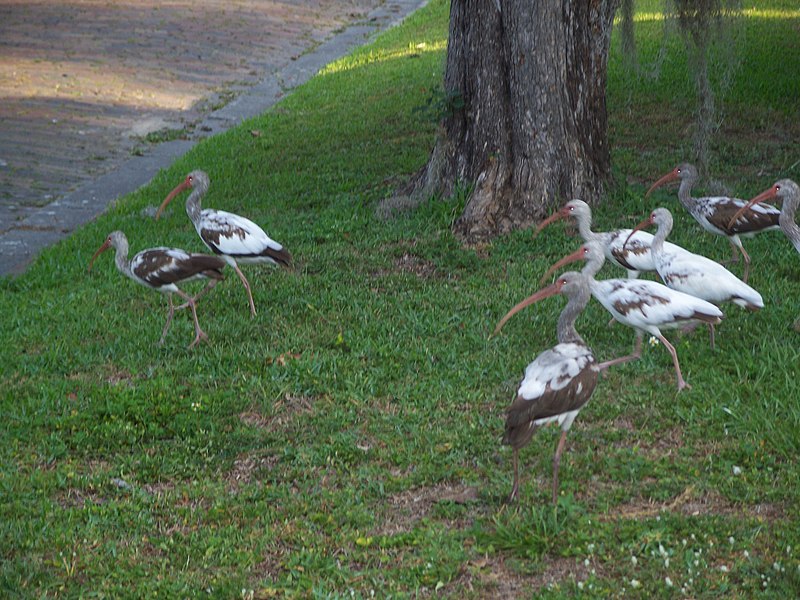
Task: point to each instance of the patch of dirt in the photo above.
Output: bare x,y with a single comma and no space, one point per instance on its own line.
75,498
404,510
160,488
284,411
665,444
411,263
244,468
693,503
493,575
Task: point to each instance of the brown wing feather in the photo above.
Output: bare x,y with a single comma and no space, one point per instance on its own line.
158,268
522,413
282,256
749,222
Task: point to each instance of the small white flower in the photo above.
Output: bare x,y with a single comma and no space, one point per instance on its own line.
788,549
776,566
683,541
666,562
586,562
653,341
693,538
590,548
731,540
746,554
635,583
668,581
661,551
633,560
723,568
580,585
737,470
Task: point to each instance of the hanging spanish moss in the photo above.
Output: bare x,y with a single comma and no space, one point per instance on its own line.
709,29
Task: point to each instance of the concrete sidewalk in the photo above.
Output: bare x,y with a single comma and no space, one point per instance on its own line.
26,228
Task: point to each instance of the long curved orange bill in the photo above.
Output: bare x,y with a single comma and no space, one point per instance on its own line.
184,185
550,290
671,176
579,254
559,214
106,245
769,194
639,227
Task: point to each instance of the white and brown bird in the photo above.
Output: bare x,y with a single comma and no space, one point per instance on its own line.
558,383
234,238
714,213
634,257
647,306
788,192
695,274
162,269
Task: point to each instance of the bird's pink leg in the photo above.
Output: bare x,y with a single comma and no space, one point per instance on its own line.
746,264
247,287
556,463
681,382
739,249
637,353
512,497
199,334
200,294
711,334
169,320
735,252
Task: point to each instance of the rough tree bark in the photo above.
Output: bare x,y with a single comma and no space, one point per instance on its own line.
531,127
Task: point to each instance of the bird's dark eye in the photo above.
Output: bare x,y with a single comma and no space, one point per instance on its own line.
777,188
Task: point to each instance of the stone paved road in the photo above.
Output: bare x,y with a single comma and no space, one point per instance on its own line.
80,80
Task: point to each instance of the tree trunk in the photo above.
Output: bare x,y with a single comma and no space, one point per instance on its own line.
530,130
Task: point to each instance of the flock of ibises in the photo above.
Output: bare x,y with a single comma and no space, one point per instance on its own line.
560,381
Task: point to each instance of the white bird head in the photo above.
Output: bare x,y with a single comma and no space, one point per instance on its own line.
683,172
576,209
197,180
115,239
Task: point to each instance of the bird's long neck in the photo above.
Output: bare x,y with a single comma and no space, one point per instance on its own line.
566,331
121,258
685,193
593,266
585,228
193,201
657,245
788,225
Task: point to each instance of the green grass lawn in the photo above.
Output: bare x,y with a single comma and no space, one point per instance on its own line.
346,442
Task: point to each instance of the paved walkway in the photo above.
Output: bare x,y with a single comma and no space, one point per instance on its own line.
82,84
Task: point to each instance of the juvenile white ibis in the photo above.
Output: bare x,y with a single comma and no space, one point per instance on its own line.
162,269
633,257
558,383
647,306
714,213
694,274
234,238
789,192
